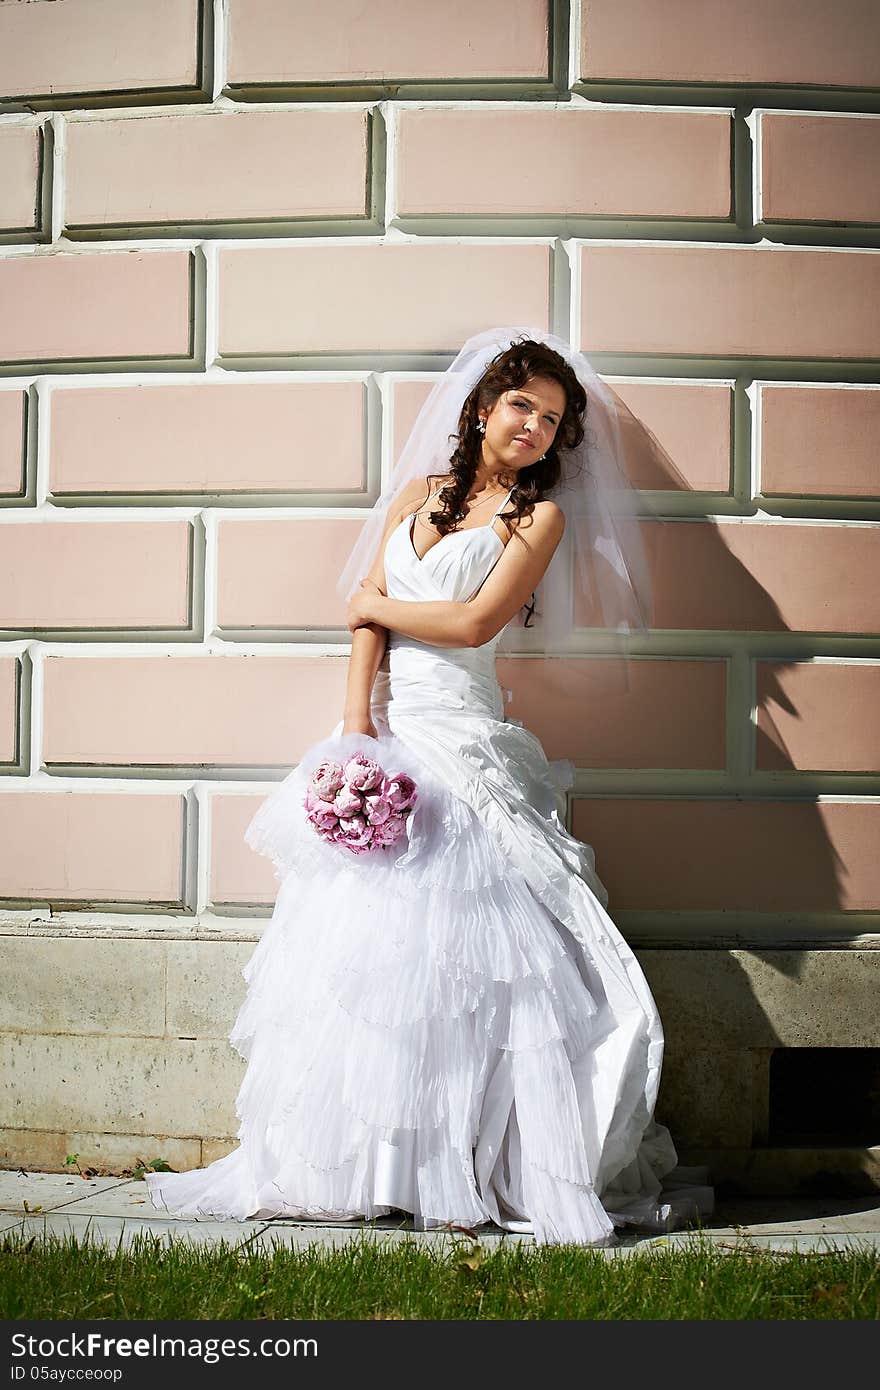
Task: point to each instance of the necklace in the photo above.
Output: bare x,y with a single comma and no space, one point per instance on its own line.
484,499
418,514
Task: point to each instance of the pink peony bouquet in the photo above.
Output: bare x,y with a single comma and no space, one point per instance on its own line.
357,804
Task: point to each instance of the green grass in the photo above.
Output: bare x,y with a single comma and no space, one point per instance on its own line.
50,1277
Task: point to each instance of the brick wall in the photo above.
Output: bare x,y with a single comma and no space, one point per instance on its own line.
224,227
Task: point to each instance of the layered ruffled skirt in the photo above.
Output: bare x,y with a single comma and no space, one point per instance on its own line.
425,1034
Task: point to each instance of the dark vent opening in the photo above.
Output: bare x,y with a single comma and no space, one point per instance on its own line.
825,1096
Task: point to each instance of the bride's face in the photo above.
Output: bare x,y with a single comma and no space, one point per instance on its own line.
531,415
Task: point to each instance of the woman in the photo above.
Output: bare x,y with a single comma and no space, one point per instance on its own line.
465,1036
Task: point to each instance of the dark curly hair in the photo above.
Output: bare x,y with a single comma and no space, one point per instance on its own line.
510,370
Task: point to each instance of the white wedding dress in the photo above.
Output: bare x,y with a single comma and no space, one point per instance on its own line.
467,1038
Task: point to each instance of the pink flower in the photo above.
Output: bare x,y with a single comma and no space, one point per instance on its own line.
327,777
362,772
355,805
377,807
401,791
390,831
354,833
347,802
321,813
323,816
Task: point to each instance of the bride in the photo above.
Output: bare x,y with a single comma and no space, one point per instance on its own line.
460,1033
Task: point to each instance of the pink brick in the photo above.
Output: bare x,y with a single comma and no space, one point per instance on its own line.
9,682
201,438
818,716
296,41
679,436
184,711
696,854
282,573
238,874
70,305
427,296
672,716
729,300
84,847
820,441
19,176
98,46
823,43
13,406
407,398
84,574
209,167
764,577
559,163
819,168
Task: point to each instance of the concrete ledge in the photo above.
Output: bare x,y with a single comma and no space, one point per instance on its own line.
134,1064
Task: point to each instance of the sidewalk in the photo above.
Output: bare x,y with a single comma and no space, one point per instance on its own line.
113,1209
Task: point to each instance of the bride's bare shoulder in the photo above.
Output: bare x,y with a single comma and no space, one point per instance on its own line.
548,513
552,511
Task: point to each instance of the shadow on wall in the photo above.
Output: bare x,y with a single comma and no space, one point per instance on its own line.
675,849
771,855
746,1027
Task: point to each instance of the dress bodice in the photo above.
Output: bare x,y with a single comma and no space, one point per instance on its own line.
452,568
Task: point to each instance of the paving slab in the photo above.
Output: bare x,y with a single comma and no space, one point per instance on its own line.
109,1231
49,1190
768,1215
129,1199
301,1235
747,1240
110,1209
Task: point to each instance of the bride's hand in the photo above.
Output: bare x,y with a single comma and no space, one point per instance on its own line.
361,605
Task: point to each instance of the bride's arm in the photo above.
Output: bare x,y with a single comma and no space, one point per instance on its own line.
368,645
369,641
367,649
441,622
508,586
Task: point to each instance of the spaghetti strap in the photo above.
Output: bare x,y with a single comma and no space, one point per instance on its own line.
502,504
